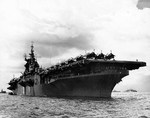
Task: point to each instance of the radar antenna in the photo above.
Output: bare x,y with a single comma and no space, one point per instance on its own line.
32,47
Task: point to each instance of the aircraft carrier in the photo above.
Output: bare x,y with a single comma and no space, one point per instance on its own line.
86,76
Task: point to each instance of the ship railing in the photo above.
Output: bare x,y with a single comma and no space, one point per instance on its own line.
61,76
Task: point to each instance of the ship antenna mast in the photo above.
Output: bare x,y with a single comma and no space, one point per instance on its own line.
32,52
32,47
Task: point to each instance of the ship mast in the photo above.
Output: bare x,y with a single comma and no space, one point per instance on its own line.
31,64
32,57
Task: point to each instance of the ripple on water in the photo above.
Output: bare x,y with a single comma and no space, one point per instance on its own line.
124,105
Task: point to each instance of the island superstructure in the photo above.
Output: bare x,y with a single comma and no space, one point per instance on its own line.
90,75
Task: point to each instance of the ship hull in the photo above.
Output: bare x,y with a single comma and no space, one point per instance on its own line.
87,86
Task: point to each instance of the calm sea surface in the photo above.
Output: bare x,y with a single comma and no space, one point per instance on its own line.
122,105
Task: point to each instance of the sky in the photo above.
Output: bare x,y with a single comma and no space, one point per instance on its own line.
61,29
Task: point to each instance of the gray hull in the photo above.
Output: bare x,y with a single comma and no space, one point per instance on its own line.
93,85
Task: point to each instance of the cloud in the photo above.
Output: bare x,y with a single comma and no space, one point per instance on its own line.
143,83
136,80
60,45
55,36
63,29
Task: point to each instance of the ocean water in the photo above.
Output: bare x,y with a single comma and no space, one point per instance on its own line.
121,105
